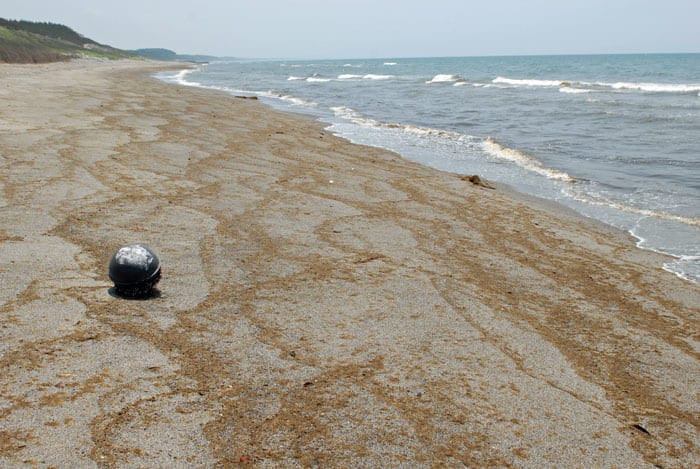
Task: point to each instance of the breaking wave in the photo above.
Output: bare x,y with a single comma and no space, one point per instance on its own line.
446,79
496,150
341,77
293,100
181,77
568,89
588,87
517,82
354,117
604,201
653,87
371,76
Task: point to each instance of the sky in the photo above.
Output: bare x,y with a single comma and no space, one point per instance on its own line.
377,28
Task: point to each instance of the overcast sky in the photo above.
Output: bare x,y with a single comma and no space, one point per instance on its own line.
377,28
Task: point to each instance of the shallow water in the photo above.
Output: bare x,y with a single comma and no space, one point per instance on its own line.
616,137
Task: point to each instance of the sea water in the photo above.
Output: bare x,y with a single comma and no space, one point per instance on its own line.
615,137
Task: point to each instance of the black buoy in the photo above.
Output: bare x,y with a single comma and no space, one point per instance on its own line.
135,270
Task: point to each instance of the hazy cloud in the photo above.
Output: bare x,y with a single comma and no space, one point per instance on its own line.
376,28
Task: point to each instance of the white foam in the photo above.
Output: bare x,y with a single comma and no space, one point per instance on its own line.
345,113
584,87
389,63
371,76
181,77
293,78
496,150
528,82
317,80
443,78
353,116
604,201
297,101
654,87
349,76
293,100
682,261
568,89
686,267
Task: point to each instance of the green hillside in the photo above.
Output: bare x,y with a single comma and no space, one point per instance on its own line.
157,54
169,55
30,42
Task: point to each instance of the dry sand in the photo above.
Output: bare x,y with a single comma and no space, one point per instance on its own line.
323,304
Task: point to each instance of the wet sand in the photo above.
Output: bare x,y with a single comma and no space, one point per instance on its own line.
323,304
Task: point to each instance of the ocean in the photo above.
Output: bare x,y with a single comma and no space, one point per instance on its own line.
615,137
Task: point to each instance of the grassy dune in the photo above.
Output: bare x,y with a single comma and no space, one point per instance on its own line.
28,42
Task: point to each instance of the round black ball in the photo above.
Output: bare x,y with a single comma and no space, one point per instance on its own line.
134,269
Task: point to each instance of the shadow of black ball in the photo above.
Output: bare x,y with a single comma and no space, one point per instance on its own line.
151,295
135,270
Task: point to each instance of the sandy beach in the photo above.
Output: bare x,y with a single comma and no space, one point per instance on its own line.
323,304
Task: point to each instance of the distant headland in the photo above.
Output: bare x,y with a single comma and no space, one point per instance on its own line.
172,56
24,41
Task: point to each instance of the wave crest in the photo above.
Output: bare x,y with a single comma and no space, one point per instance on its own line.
496,150
588,87
654,87
528,82
604,201
354,117
317,80
181,77
372,76
443,78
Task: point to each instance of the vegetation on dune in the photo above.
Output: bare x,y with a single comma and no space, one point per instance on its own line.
22,47
30,42
157,54
52,30
169,55
35,42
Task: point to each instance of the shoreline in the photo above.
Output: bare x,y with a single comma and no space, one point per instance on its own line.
681,261
552,206
322,303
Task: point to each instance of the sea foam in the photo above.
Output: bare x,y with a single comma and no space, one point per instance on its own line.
599,199
572,86
569,90
654,87
443,78
369,76
181,77
317,80
496,150
528,82
372,76
356,118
